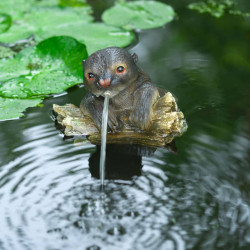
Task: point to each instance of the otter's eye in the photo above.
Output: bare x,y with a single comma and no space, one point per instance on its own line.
91,75
120,69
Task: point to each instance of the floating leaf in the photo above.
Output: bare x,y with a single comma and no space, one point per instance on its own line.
51,67
139,15
214,8
218,8
6,52
13,108
42,21
15,8
98,36
72,3
94,35
64,22
5,22
46,3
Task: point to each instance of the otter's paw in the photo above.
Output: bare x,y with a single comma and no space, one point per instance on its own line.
113,123
141,118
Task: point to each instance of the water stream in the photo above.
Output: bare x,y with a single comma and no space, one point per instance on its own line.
104,137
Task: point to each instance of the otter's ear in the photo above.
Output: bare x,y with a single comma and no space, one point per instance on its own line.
83,63
135,57
83,67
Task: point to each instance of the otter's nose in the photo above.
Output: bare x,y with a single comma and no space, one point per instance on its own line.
104,83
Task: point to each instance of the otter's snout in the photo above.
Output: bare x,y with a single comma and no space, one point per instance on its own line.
104,83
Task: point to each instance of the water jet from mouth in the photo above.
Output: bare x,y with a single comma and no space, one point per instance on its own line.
104,137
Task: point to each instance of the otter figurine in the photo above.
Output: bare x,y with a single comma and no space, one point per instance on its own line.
132,94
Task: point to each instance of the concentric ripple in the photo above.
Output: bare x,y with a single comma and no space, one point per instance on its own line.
50,199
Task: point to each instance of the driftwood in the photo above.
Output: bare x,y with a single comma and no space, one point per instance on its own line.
167,123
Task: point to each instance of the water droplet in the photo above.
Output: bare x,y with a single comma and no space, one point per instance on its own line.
54,230
117,230
117,217
94,247
132,214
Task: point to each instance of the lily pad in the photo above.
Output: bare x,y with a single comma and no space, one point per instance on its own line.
219,8
72,3
95,36
13,108
46,3
213,7
139,15
41,21
5,22
50,67
67,22
6,52
15,8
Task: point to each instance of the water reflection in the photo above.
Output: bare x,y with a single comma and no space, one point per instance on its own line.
124,161
121,162
213,199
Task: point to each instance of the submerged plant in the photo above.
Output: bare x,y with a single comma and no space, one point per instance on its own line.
217,8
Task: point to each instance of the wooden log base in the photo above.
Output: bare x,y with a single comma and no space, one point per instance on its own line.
167,123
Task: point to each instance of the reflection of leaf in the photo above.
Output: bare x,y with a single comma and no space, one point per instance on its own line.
13,108
5,22
51,67
139,15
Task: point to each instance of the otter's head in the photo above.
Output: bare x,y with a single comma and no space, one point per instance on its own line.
112,69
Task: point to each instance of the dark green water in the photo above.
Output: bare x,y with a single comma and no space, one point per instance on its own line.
197,199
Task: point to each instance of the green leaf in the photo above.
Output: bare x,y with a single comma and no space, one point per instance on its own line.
6,52
72,3
94,35
13,108
98,36
51,67
5,22
15,8
217,8
41,21
46,3
211,7
139,15
67,22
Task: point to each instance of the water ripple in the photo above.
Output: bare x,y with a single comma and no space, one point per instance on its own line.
51,200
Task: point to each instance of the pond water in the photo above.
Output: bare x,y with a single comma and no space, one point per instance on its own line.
198,198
